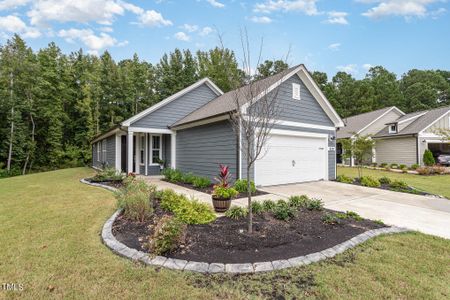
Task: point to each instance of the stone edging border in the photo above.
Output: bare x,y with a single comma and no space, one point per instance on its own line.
202,267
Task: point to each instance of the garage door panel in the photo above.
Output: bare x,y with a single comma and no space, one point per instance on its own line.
290,159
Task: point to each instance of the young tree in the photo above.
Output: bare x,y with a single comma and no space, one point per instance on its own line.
256,111
428,158
360,148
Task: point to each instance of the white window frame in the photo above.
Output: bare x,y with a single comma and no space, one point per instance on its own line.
142,150
104,150
98,150
395,130
150,153
296,91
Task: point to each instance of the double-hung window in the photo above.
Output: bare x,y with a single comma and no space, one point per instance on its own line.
99,150
104,150
142,149
155,149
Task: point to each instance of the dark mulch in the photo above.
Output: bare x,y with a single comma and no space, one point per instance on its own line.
226,240
209,190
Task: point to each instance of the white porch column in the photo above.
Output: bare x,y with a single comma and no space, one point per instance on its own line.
118,161
146,154
173,150
130,151
137,162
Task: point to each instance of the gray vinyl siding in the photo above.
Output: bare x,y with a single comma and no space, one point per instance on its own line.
177,109
201,149
306,110
379,124
110,160
331,143
401,150
442,123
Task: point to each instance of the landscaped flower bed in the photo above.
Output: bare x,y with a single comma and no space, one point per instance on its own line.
109,177
203,184
176,227
384,183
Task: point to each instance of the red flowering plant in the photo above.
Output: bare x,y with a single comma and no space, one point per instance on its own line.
222,189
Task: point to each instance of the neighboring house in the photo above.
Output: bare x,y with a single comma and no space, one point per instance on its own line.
404,139
369,123
191,131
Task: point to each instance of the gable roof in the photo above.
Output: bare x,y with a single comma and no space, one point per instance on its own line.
175,96
423,120
226,102
358,123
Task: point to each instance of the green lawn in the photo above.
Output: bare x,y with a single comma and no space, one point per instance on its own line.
50,243
438,184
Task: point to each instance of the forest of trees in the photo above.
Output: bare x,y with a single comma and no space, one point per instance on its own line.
53,104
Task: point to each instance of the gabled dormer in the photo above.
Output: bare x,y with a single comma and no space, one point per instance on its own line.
393,128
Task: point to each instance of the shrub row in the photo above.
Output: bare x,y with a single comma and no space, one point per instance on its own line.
374,182
337,218
176,176
108,174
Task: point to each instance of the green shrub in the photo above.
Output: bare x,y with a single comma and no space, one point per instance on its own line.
224,192
236,212
108,174
188,178
257,207
331,219
374,164
314,204
414,167
241,186
353,215
370,181
385,180
402,166
393,166
268,205
201,182
344,179
188,211
167,235
428,158
383,165
297,201
379,222
172,175
136,200
398,184
282,210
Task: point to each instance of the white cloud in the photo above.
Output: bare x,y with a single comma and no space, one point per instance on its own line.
189,27
306,6
261,20
216,3
106,29
334,46
153,18
205,31
13,24
404,8
337,17
90,39
10,4
350,68
367,67
181,36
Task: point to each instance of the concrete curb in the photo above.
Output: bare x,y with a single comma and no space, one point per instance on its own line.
202,267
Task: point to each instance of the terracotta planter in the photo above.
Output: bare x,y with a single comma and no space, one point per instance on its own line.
221,205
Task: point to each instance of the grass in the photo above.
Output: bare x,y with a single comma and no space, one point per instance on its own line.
50,243
437,184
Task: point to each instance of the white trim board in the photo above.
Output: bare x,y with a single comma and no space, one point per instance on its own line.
379,117
412,118
106,134
201,122
150,130
166,101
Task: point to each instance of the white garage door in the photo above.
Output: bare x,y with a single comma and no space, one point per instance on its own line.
291,159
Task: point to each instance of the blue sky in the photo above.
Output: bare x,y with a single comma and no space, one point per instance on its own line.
325,35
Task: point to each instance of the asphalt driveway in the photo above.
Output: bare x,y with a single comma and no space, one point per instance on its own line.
426,214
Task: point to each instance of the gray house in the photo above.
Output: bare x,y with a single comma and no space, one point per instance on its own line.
191,131
400,138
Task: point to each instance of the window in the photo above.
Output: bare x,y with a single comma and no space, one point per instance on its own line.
141,146
104,150
296,91
99,149
393,128
156,149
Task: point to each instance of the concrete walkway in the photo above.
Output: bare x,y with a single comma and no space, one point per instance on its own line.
429,215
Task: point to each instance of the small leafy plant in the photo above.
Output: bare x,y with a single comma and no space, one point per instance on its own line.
385,180
370,181
353,215
331,219
168,234
188,178
257,208
393,166
314,204
268,205
172,175
201,182
383,165
414,166
236,212
241,186
108,174
298,201
136,200
282,210
221,192
344,179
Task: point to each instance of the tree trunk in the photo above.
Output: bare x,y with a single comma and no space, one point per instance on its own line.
33,126
249,195
11,137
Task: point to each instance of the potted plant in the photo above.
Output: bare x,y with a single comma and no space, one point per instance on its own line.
223,193
161,163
